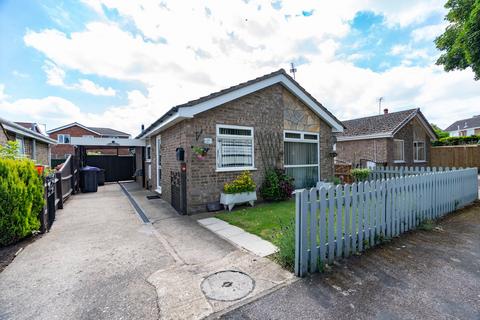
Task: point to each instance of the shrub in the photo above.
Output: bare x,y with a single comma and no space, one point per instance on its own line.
10,150
21,199
454,141
277,186
243,183
284,239
360,174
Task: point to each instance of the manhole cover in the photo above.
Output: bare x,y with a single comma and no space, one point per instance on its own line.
227,285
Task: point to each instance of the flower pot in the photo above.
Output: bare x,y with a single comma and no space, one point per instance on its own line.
231,199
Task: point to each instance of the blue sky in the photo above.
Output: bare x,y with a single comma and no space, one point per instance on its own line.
121,64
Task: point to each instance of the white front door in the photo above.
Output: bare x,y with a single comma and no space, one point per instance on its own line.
159,165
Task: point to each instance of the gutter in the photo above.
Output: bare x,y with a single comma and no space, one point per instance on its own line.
13,127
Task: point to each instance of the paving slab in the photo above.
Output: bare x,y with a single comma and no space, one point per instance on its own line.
239,237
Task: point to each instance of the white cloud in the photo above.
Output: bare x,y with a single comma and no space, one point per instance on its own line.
56,77
56,111
88,86
428,33
180,51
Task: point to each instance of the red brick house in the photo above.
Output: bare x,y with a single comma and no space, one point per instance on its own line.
64,134
394,139
267,122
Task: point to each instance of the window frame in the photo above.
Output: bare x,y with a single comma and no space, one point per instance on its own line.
21,145
219,136
303,140
403,151
63,135
148,153
415,151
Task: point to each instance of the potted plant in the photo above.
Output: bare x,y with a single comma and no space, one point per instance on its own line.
240,190
200,152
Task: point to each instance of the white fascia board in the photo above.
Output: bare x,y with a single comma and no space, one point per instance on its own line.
422,122
72,125
365,137
191,111
28,133
164,125
209,104
106,142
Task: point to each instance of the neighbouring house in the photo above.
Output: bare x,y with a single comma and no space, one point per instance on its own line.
32,143
267,122
465,127
394,139
64,134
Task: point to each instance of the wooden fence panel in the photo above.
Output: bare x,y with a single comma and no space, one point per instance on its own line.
335,222
463,156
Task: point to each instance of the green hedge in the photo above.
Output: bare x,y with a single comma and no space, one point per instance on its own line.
454,141
21,199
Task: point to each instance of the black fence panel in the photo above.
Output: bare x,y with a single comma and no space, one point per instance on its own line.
117,168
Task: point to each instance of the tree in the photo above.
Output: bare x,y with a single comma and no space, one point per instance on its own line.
440,133
461,40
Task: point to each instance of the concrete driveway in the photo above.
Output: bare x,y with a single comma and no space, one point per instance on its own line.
100,261
93,264
422,275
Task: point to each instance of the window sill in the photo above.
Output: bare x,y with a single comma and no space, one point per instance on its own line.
419,161
235,169
148,160
399,161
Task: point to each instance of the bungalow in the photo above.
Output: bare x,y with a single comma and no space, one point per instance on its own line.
32,143
465,127
267,122
393,139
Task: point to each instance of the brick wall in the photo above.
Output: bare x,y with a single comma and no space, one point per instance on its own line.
59,150
370,149
267,112
406,134
382,149
42,151
3,137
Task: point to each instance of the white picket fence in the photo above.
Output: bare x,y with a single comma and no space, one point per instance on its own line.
334,222
379,173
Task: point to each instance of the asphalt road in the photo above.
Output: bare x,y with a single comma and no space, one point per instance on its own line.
421,275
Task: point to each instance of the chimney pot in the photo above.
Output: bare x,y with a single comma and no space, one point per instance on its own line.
143,127
385,111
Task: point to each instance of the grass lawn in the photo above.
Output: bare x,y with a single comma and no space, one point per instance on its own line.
263,219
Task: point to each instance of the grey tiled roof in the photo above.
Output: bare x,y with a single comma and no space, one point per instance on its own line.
473,122
108,132
384,123
173,110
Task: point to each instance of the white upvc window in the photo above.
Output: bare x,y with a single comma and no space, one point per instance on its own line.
148,153
419,151
398,151
21,145
302,157
63,138
235,148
